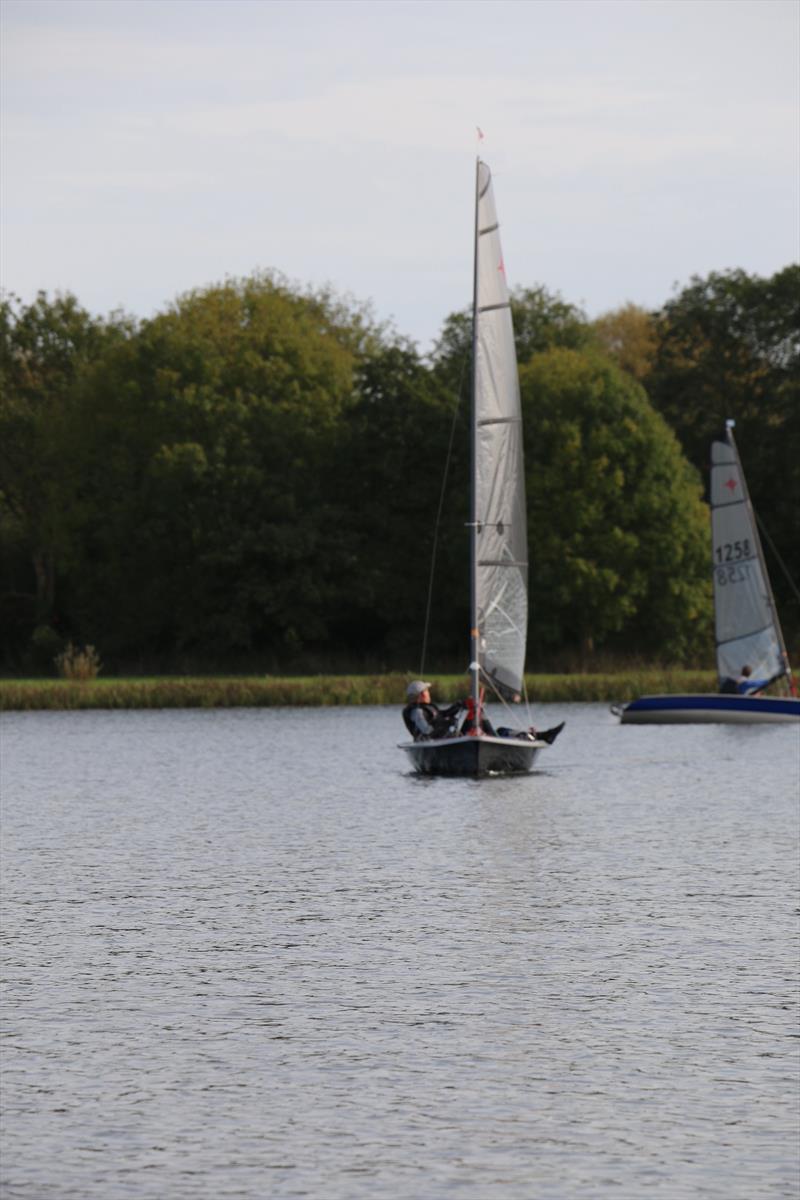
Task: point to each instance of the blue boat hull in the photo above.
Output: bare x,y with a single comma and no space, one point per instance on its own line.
709,709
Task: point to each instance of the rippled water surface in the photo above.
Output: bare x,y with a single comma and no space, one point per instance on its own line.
249,955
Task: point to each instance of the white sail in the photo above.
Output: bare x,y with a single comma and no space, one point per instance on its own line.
747,630
501,569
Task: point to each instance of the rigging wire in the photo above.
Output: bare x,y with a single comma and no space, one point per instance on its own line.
487,679
778,558
438,521
527,701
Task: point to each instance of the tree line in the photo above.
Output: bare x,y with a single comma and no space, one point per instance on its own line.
254,478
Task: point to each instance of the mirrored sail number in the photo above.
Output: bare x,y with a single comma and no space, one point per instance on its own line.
735,573
730,552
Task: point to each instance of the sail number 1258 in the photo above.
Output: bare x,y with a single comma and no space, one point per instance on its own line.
730,552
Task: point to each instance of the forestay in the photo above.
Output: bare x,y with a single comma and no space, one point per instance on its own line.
501,569
746,624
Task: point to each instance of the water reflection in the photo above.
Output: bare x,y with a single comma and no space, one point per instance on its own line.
249,955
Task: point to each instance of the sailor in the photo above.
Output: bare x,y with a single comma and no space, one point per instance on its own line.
743,685
423,718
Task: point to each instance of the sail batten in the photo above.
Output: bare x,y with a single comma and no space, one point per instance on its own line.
501,542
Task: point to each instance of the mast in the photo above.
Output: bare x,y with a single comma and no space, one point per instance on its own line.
474,662
762,561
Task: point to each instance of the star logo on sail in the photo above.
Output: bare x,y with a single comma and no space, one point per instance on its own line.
501,266
732,485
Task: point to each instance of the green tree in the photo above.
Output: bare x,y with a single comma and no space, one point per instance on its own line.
542,319
618,534
206,523
729,346
628,336
406,450
45,347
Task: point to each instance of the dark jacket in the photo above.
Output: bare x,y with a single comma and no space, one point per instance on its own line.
743,686
435,722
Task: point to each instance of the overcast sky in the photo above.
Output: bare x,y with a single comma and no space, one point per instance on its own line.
161,145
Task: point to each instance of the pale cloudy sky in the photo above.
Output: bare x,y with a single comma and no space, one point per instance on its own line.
154,146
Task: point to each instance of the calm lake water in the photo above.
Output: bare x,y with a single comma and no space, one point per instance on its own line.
249,955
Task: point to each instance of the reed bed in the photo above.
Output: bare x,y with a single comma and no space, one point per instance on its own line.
326,690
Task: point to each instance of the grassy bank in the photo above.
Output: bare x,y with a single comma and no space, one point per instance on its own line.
324,690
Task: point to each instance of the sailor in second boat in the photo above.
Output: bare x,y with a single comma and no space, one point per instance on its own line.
744,684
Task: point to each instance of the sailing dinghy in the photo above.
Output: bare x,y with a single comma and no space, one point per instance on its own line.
498,525
748,631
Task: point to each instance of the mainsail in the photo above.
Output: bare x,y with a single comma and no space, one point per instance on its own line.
747,628
500,542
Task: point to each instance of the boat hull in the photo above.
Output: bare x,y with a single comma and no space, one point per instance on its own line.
709,709
473,756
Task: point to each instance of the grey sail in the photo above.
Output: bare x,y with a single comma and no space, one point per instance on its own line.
747,629
501,546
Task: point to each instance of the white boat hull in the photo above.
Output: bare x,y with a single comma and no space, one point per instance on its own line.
473,756
709,709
